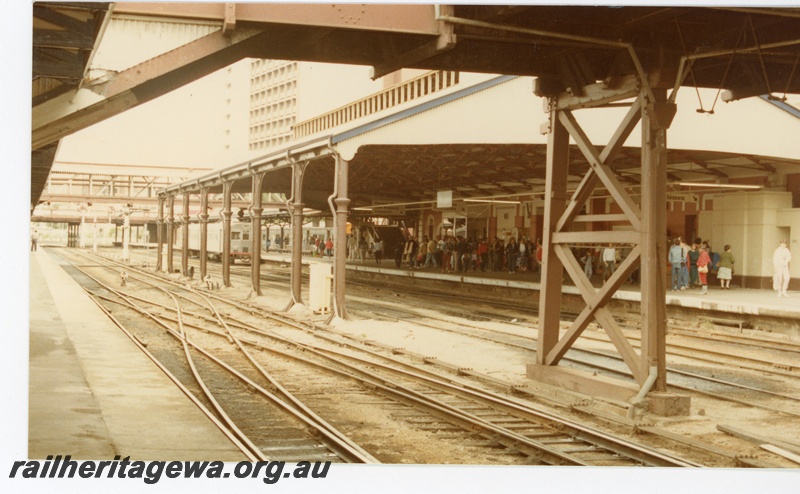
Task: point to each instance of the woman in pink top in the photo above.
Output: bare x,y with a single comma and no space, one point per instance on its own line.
702,268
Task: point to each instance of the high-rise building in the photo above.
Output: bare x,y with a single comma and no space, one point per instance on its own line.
273,102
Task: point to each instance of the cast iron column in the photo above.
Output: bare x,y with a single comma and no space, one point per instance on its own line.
159,234
185,235
255,222
203,232
340,242
170,232
296,206
226,233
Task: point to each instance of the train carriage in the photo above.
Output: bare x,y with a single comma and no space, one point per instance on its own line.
280,239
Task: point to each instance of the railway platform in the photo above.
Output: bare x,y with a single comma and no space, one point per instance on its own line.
736,306
93,394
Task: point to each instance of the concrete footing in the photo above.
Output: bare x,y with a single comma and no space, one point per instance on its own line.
668,404
662,404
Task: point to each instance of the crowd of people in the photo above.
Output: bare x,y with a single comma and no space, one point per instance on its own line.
690,264
450,254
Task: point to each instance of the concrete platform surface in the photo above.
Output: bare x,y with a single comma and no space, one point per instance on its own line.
748,301
93,394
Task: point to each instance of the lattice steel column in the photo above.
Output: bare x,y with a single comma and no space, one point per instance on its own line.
557,165
656,119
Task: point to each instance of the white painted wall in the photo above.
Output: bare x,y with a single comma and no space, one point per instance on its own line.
753,223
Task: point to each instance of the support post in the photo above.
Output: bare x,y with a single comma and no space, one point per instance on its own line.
656,118
203,232
170,232
185,235
298,170
160,233
82,231
255,223
340,242
647,226
226,233
94,234
126,235
557,164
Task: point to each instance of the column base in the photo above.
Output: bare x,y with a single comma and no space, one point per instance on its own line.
668,404
661,404
583,382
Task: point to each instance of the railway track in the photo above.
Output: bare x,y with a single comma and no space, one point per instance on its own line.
282,430
495,313
684,328
779,363
432,404
590,357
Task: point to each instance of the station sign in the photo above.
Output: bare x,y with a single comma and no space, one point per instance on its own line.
678,197
444,199
387,208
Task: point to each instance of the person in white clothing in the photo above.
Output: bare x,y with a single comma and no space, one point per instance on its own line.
610,261
780,261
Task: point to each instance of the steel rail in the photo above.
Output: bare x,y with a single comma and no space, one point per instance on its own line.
185,343
466,421
225,431
610,356
351,450
347,450
300,327
452,414
625,374
355,457
636,452
256,452
251,328
626,448
739,339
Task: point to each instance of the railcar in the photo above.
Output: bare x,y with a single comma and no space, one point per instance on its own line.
241,240
280,240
